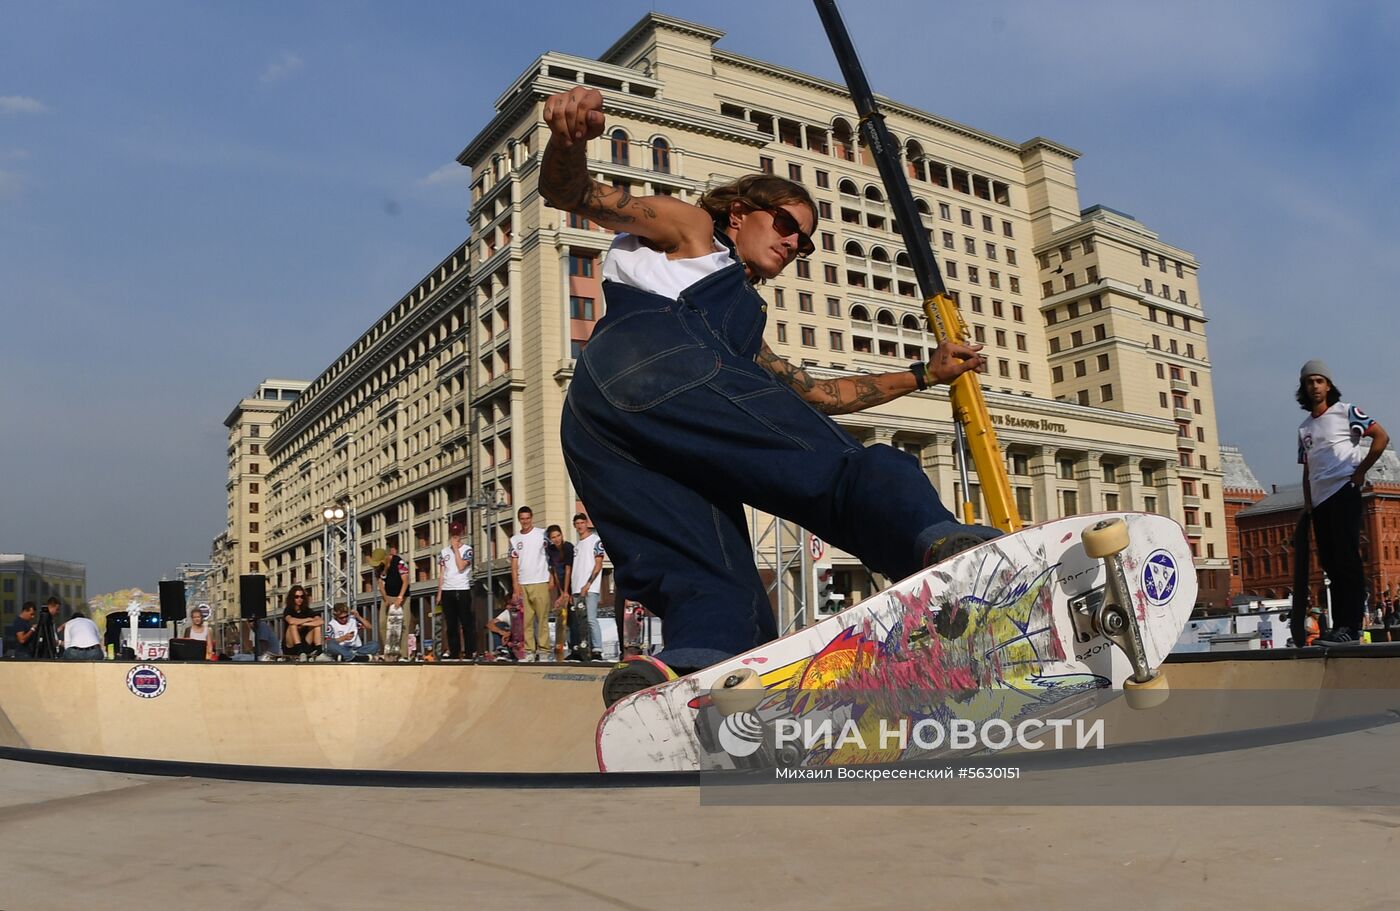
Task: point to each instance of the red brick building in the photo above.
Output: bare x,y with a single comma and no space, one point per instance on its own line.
1265,535
1240,489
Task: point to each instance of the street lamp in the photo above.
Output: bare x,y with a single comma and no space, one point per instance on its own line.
488,501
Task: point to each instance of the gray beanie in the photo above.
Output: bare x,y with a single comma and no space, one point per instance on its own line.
1315,367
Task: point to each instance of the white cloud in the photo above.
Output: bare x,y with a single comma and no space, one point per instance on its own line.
451,174
281,68
20,104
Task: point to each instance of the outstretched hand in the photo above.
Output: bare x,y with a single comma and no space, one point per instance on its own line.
574,116
951,360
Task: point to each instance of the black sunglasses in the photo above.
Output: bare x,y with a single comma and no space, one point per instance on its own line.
786,226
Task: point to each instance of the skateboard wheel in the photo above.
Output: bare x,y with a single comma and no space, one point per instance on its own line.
1149,695
1106,538
740,691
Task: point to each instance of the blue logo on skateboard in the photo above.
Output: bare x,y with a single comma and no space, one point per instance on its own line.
1159,577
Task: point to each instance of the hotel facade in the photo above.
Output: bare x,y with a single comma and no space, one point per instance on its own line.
1099,379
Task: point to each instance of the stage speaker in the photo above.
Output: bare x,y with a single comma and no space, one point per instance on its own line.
186,650
252,597
172,602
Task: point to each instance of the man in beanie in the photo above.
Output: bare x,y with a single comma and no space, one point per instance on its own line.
1334,471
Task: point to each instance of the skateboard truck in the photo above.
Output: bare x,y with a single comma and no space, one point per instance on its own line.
1111,615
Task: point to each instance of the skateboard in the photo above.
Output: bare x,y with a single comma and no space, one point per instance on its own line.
1302,566
516,643
393,633
580,644
636,631
1031,625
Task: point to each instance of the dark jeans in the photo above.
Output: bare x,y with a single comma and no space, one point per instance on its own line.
670,428
1337,531
459,626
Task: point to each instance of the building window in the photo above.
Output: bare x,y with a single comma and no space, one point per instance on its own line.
253,566
254,449
765,164
966,216
660,156
1057,374
1069,500
782,332
1082,397
945,211
833,306
1015,285
976,303
778,301
1080,368
1103,362
836,342
824,209
252,528
620,152
254,431
823,180
986,222
1025,370
1110,502
253,487
804,302
1001,338
1100,332
804,269
1147,285
580,266
1021,341
578,221
1006,229
580,308
828,273
254,468
252,507
828,240
1106,392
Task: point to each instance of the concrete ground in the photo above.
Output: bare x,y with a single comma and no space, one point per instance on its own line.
78,839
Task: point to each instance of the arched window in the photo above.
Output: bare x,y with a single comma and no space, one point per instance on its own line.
911,322
914,159
879,254
843,139
873,194
660,156
848,187
859,314
885,318
619,147
902,259
854,249
923,208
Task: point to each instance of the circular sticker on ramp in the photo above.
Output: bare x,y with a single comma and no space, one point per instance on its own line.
145,681
1159,577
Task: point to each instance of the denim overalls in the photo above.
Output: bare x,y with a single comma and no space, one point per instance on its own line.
670,427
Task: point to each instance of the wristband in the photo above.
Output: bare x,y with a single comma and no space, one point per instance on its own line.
920,371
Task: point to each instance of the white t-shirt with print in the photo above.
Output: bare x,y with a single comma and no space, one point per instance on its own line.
336,629
529,550
586,553
453,581
1330,445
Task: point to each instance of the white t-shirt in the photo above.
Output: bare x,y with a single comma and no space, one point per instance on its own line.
335,629
586,554
453,581
631,263
529,550
80,632
201,634
1330,445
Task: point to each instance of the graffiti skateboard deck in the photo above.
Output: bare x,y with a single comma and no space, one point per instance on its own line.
1023,626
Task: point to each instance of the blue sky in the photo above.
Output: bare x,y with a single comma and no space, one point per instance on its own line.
195,197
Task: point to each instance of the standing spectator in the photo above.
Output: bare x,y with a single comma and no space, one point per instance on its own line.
304,628
529,579
460,627
588,582
561,564
81,640
19,635
199,631
343,632
1334,471
392,580
46,641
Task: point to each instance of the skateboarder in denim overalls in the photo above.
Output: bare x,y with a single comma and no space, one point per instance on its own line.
679,414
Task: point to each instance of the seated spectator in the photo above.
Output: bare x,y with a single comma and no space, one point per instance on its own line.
512,647
81,640
343,635
199,630
19,635
305,630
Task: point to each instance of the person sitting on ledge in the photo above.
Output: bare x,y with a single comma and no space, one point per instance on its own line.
343,635
304,628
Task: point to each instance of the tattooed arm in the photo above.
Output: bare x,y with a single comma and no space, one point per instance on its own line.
857,393
575,117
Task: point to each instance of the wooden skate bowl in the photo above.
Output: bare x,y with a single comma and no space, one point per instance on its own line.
444,724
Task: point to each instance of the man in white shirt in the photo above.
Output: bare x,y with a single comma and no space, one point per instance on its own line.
460,627
529,579
1334,471
587,580
81,640
343,635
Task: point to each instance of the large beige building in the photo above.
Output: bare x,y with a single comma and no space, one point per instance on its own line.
239,550
1099,380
